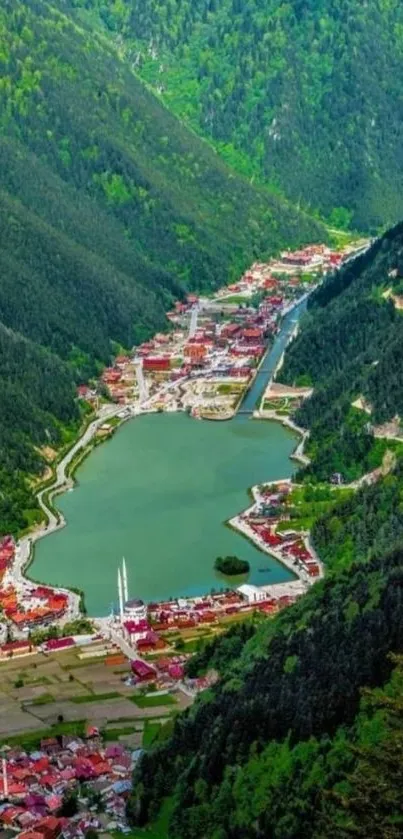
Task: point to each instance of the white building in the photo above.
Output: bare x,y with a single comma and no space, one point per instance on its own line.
252,594
129,609
135,610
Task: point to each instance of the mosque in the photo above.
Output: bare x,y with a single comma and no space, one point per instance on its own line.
129,609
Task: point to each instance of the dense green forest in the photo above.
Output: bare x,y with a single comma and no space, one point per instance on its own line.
359,526
350,345
286,744
109,209
303,95
302,733
231,565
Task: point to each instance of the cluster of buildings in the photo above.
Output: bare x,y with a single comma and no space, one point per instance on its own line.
312,258
26,605
214,341
87,646
288,546
34,786
147,630
167,674
120,380
40,606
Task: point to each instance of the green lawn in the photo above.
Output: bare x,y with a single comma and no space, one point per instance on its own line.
96,659
43,699
307,502
152,701
31,739
150,733
156,732
39,680
226,388
115,733
234,298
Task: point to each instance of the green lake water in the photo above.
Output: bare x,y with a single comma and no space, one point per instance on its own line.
159,493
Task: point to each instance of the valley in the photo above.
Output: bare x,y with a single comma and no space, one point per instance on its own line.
201,419
301,97
231,344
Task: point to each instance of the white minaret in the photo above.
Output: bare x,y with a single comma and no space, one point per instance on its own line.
141,382
5,778
120,592
124,577
193,320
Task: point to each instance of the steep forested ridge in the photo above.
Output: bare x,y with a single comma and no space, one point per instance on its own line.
109,208
349,346
280,746
304,94
302,734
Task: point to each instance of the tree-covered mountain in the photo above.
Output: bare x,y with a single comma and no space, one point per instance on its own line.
306,95
302,734
350,347
109,208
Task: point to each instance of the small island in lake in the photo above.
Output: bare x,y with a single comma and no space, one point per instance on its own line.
231,566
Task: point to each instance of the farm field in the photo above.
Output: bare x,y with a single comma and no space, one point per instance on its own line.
39,693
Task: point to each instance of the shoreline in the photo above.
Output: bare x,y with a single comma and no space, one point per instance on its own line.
65,481
238,524
54,521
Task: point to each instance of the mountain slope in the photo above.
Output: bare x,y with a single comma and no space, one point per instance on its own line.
278,747
109,208
302,734
350,347
306,95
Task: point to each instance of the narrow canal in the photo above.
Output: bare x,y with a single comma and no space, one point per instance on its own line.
271,359
159,493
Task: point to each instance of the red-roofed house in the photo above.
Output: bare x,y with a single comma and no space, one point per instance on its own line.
156,363
252,334
16,648
54,802
55,644
49,827
142,671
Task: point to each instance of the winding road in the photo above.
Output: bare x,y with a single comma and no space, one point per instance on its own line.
16,574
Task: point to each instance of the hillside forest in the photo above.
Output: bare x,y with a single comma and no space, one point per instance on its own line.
302,96
152,148
302,734
350,347
109,209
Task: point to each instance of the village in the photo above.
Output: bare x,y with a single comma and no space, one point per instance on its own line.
81,700
210,357
204,365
